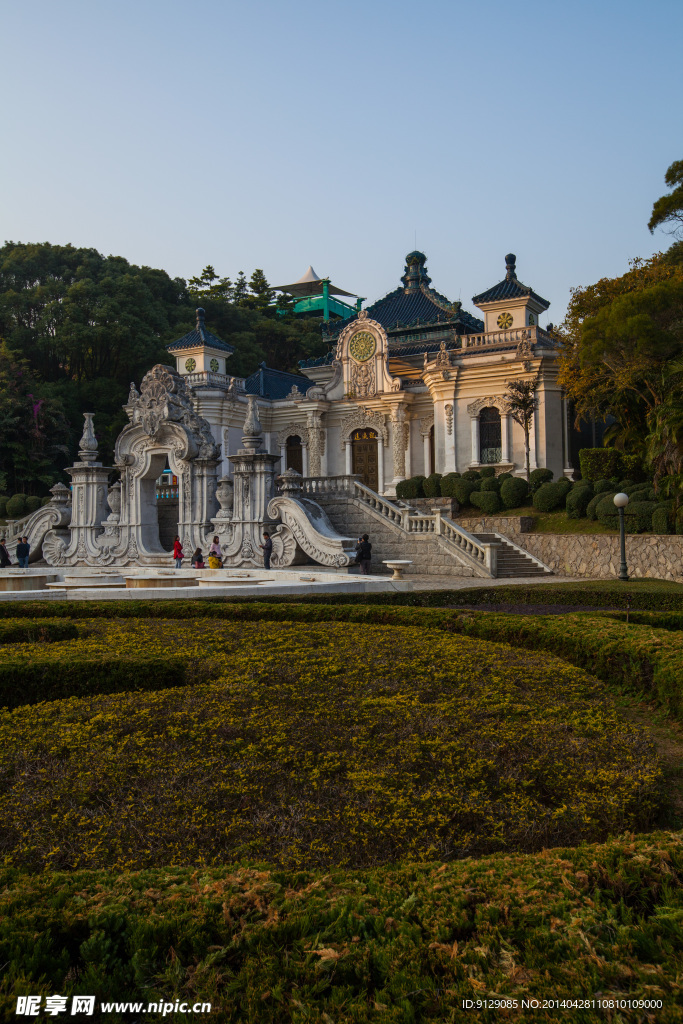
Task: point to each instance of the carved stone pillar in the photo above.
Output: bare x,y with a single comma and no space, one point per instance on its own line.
475,440
348,467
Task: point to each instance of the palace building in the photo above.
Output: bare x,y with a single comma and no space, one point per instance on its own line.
412,384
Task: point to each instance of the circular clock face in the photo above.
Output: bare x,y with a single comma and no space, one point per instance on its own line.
362,346
190,365
214,365
504,321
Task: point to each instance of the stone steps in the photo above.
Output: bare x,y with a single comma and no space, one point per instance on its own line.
511,562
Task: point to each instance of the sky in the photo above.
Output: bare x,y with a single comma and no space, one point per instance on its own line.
281,134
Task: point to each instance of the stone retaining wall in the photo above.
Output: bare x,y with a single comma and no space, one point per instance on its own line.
598,554
496,524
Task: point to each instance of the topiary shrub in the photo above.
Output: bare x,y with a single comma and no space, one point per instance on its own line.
33,503
514,492
564,485
642,492
662,518
577,501
471,474
598,463
432,486
486,472
632,466
16,506
411,488
4,498
45,501
503,476
592,508
548,497
487,501
638,516
627,486
462,489
607,511
538,477
448,485
490,483
602,486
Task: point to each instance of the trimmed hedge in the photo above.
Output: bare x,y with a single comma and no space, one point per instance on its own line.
514,492
33,503
490,483
463,489
598,463
487,501
448,485
538,477
16,506
486,472
548,497
432,486
4,498
577,501
27,631
662,518
603,486
411,488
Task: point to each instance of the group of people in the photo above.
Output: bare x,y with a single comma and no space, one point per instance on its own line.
23,551
216,554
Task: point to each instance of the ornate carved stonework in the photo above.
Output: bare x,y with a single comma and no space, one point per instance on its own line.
426,424
316,443
448,409
164,398
495,402
293,430
362,381
364,419
400,433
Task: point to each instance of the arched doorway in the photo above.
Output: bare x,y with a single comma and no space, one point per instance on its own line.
490,445
364,458
294,457
167,507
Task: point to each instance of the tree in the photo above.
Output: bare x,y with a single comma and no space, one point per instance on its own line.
521,398
209,286
669,209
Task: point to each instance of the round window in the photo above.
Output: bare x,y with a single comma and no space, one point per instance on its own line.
190,365
214,365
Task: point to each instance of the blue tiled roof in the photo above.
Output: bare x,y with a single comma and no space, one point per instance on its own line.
508,288
320,361
415,304
275,384
199,336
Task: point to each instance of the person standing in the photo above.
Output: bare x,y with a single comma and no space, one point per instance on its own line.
364,554
178,552
267,547
5,559
23,551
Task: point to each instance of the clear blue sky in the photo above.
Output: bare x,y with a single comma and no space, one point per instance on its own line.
278,134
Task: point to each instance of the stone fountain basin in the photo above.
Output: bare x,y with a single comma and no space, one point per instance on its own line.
19,580
148,579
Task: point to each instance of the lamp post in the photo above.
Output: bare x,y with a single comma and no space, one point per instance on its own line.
621,501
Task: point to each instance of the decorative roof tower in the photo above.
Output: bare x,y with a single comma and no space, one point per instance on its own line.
510,304
200,351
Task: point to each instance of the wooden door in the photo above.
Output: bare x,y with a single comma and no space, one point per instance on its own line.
364,451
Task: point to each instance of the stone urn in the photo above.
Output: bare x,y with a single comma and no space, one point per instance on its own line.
225,497
114,502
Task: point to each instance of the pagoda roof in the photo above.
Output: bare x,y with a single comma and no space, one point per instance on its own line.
509,287
275,384
198,337
416,304
311,284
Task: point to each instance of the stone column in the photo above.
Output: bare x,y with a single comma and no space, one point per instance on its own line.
348,468
505,437
380,463
475,440
427,454
568,468
283,457
409,461
304,459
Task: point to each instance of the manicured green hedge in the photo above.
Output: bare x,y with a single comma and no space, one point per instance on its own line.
487,501
411,488
538,477
549,496
577,501
514,492
597,463
432,486
24,631
406,944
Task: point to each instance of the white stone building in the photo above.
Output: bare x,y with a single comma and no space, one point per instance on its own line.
411,385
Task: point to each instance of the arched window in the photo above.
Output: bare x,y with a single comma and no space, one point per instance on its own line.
295,459
490,445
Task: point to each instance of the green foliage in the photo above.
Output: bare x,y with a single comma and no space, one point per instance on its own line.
632,466
16,506
663,519
33,503
577,501
490,483
603,486
599,463
462,489
539,477
486,472
668,209
592,507
488,501
549,497
4,498
504,476
448,485
606,512
638,516
514,492
471,474
411,488
432,486
24,631
679,522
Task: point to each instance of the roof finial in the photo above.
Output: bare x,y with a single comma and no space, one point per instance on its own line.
200,318
510,265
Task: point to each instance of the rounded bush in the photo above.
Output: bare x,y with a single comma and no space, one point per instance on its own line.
45,501
538,477
577,501
462,489
487,501
503,476
432,486
638,516
448,485
548,497
602,486
627,486
471,474
514,492
33,503
16,506
592,507
662,520
607,511
643,492
564,485
487,472
4,498
490,483
411,488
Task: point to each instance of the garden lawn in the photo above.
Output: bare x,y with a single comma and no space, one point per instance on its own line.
317,744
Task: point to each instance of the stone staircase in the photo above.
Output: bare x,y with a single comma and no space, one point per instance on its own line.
434,543
513,560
